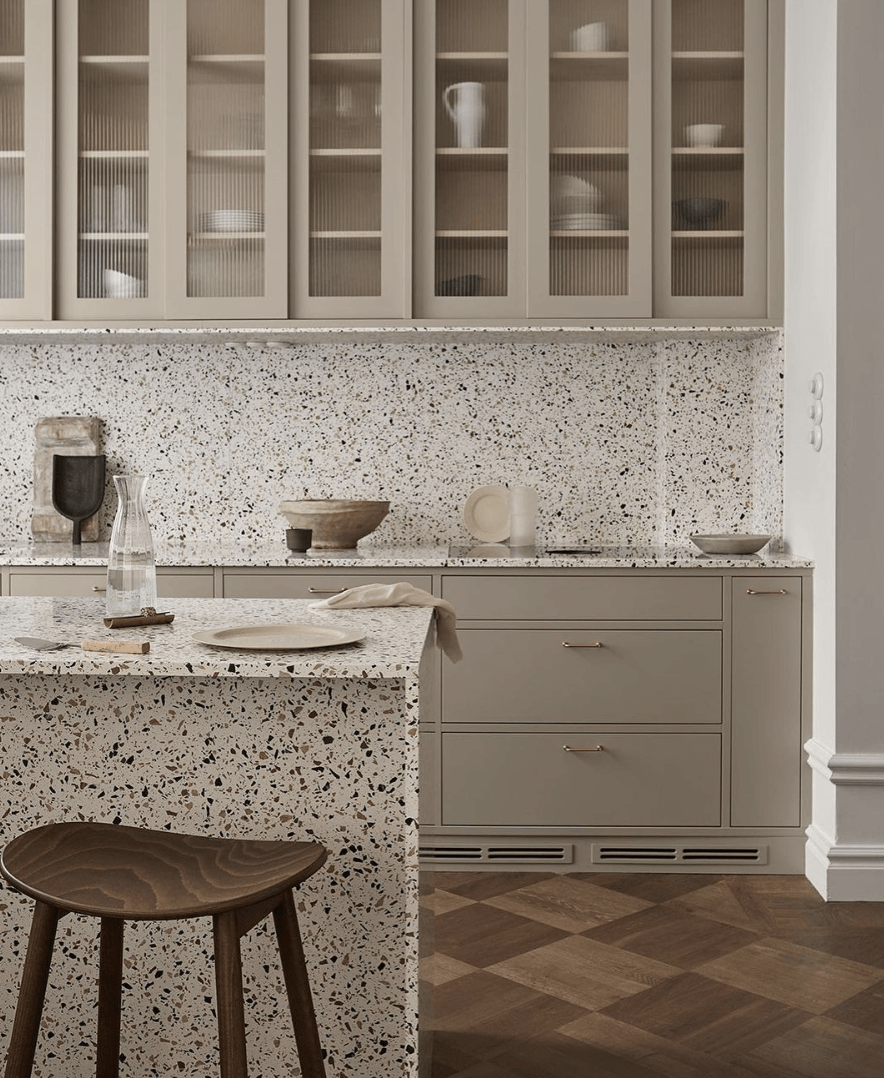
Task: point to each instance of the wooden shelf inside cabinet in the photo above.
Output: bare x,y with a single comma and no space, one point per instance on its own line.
471,233
599,158
122,68
345,160
358,234
485,159
115,237
691,159
12,237
589,66
350,66
237,67
707,66
707,237
589,233
216,237
465,66
12,155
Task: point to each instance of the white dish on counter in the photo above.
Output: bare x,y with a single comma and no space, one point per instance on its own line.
730,544
291,637
486,514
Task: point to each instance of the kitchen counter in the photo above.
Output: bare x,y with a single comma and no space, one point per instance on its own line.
229,553
309,744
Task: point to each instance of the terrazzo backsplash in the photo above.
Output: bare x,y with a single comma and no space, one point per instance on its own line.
639,443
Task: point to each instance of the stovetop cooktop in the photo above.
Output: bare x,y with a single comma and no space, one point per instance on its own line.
501,550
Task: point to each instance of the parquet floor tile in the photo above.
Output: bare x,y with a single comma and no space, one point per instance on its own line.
568,904
643,975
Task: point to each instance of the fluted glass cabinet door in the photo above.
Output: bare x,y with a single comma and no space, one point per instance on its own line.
228,159
25,159
350,222
588,106
470,192
109,91
712,148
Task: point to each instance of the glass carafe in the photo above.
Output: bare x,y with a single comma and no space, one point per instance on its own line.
131,571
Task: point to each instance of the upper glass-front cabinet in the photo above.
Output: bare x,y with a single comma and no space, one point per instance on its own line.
350,224
470,192
172,158
589,105
25,158
711,65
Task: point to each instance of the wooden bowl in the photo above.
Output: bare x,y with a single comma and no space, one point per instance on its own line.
336,524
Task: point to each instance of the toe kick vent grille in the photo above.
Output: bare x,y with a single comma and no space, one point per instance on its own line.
700,855
509,855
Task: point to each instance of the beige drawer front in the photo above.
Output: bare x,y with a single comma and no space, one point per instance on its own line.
528,780
63,582
297,586
174,583
599,598
634,676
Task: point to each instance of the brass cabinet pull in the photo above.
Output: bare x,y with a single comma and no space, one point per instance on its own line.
777,591
568,748
99,587
568,644
326,591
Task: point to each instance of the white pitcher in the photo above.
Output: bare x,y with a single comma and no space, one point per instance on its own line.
465,104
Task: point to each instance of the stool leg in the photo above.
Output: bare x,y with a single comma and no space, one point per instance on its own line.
294,968
110,991
23,1042
228,995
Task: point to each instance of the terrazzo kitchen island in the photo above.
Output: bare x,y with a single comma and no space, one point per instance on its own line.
303,744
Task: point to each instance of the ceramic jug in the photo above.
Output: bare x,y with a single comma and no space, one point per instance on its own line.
465,104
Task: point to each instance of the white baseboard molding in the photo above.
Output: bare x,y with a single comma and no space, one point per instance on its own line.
843,873
846,768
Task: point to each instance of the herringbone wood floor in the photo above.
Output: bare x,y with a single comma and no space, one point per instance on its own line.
540,975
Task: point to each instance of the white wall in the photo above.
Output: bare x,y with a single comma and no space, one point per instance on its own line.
834,500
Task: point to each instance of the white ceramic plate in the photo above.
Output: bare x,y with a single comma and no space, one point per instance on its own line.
487,514
290,637
730,544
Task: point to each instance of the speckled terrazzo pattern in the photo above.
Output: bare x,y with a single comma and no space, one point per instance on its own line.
626,441
282,755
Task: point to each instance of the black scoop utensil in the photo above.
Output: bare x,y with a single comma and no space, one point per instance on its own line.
77,488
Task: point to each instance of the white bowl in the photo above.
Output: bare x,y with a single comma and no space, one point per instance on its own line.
336,524
730,544
703,136
121,285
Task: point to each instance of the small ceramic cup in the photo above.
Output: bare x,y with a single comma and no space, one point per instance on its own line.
593,37
298,539
703,136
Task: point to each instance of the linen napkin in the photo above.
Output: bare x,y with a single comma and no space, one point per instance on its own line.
402,594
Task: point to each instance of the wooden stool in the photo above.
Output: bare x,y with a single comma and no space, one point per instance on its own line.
127,873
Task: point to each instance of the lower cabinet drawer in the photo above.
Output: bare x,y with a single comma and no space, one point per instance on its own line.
528,780
313,586
602,676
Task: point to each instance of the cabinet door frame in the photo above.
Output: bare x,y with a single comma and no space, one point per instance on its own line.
482,308
637,302
35,303
70,305
395,233
753,303
274,302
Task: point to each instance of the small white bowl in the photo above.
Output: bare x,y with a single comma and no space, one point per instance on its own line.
122,285
730,544
703,136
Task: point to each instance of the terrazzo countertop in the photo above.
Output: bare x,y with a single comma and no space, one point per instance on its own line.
391,648
275,555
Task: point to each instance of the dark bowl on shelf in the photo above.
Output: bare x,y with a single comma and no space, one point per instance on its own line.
467,285
693,213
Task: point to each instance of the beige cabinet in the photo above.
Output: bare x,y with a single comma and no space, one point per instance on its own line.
26,47
625,718
172,211
591,158
304,584
82,581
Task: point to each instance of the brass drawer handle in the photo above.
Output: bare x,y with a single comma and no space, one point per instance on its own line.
568,644
99,587
777,591
326,591
598,748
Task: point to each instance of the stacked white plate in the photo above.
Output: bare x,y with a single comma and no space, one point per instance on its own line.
231,221
585,221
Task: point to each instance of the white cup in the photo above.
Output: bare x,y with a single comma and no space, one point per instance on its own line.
593,37
523,515
702,136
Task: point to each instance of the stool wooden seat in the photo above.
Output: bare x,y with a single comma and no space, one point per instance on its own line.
122,873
